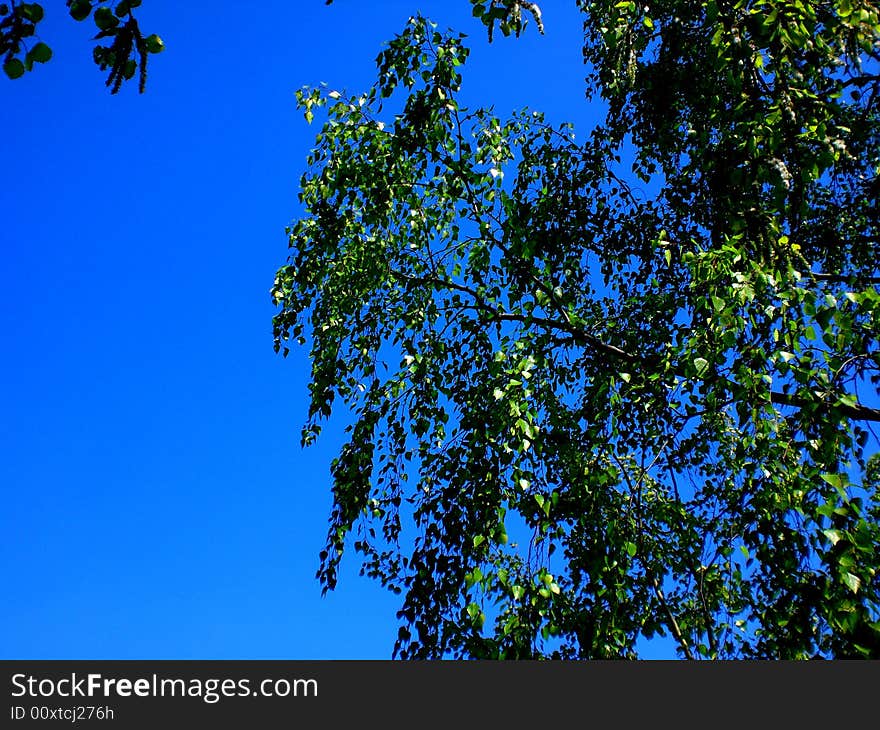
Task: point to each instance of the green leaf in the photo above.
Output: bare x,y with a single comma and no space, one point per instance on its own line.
852,582
837,481
13,68
32,11
154,44
824,317
105,19
80,9
40,53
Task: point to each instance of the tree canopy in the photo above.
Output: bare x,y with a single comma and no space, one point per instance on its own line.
612,386
125,54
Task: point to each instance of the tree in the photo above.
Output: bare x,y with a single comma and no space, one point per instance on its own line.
597,397
125,56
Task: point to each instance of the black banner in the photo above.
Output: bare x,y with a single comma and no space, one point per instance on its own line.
287,694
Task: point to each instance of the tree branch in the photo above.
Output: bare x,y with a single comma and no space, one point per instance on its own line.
845,278
856,412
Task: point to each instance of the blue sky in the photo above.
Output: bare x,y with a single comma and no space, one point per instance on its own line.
158,504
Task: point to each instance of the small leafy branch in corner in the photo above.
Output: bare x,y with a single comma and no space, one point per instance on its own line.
18,21
125,53
127,41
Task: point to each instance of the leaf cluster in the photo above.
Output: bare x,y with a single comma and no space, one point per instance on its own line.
124,49
599,396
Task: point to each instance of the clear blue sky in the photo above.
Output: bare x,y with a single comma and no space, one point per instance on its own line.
156,501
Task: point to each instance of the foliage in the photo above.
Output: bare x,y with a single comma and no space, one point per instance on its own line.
125,54
599,396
